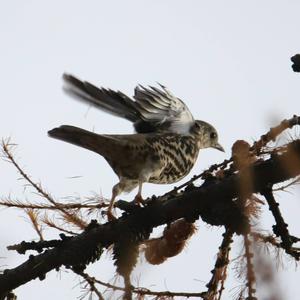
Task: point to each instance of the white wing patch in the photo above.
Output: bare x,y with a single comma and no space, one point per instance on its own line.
162,108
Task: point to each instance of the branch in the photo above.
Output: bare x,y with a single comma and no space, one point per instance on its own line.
213,202
250,275
220,268
281,228
69,216
142,291
296,63
41,206
272,134
91,282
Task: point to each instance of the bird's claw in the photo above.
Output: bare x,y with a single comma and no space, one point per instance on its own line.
109,214
139,200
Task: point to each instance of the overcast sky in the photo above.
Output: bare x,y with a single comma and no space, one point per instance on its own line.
228,60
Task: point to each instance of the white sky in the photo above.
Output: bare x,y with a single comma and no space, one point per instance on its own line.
228,60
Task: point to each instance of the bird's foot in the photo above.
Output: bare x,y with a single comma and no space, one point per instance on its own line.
109,214
139,200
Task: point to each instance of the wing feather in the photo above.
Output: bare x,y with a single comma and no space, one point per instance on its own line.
163,110
152,110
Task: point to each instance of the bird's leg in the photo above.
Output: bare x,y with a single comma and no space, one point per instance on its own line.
109,213
115,192
138,198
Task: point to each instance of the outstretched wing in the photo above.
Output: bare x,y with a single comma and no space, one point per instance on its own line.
108,100
162,110
154,110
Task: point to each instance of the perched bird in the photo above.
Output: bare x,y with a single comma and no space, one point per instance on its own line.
163,149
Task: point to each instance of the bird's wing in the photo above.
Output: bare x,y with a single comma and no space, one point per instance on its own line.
154,110
108,100
161,109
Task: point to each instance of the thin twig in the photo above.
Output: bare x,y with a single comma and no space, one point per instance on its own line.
273,133
284,187
40,206
281,228
69,216
144,291
33,216
91,282
219,271
250,271
52,224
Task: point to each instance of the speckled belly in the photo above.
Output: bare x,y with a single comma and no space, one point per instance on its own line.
177,157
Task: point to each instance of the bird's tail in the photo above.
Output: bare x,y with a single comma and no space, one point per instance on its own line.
78,137
108,100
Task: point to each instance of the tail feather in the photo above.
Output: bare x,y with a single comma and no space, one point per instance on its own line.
80,137
110,101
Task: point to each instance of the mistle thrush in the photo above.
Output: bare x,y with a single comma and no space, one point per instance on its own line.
163,149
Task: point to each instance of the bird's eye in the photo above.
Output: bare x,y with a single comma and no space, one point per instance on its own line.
213,135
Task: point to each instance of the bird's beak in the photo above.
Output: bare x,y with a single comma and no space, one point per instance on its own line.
219,147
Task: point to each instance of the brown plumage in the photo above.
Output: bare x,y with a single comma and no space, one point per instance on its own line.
163,150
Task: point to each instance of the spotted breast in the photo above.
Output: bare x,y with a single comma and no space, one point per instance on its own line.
177,153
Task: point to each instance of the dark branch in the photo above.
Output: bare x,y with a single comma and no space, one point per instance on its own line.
37,246
214,202
91,282
296,63
280,229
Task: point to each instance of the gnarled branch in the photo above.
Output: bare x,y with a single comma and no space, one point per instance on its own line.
214,202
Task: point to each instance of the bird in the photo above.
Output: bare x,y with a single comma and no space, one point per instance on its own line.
162,150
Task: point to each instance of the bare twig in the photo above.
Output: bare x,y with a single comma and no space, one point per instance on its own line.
41,206
273,133
33,216
51,223
71,217
287,185
220,269
280,229
91,282
250,270
144,291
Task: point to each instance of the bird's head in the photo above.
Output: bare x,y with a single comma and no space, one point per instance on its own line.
206,135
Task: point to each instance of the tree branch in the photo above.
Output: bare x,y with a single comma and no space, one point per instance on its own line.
296,63
213,202
143,291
